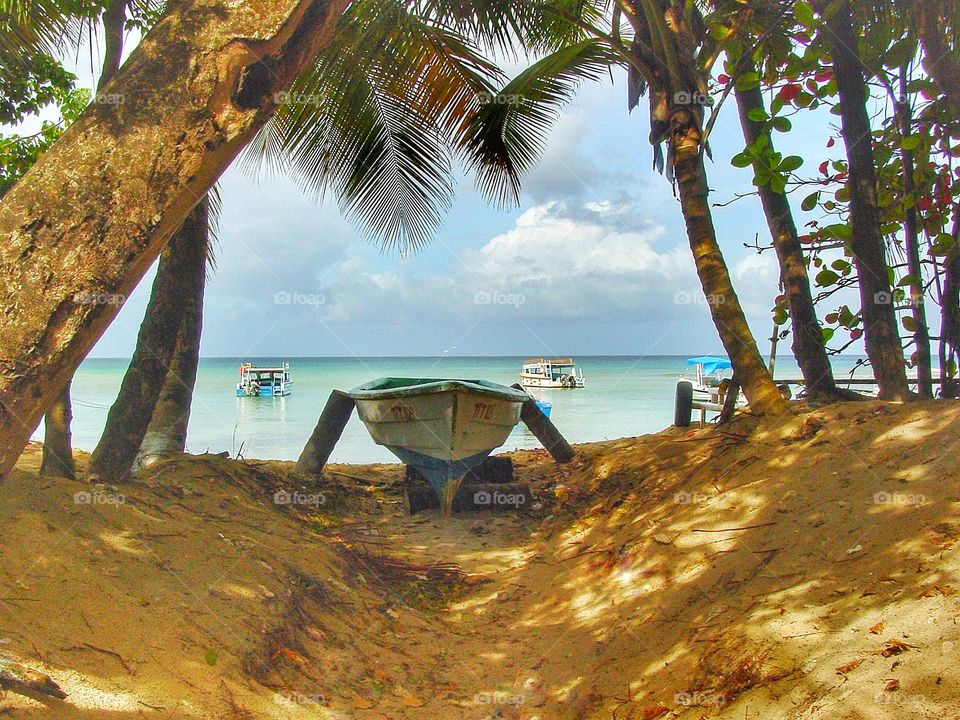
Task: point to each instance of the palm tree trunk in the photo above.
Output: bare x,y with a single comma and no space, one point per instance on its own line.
57,437
738,341
57,456
102,203
183,260
921,333
882,338
167,432
808,345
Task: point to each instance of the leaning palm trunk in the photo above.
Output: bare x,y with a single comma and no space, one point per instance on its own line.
101,204
950,315
182,263
738,341
882,338
57,443
167,432
808,346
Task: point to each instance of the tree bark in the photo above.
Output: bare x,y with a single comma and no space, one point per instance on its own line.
882,338
334,418
808,345
950,313
167,433
731,324
940,60
127,422
97,209
57,442
57,456
911,231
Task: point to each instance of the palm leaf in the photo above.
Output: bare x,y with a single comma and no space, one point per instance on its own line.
507,136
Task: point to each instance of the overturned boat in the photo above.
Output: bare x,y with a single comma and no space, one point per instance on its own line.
443,428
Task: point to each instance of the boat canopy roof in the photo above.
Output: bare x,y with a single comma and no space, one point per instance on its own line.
711,364
558,361
393,387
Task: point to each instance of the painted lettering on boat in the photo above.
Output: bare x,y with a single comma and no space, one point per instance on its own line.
403,412
483,411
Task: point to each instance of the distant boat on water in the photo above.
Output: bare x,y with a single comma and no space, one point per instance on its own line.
546,373
264,381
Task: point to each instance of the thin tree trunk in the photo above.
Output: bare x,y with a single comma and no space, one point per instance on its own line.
808,345
940,59
57,437
950,313
57,456
921,333
882,338
97,209
182,261
167,432
741,347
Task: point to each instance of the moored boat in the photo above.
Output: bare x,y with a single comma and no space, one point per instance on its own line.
547,373
264,381
443,428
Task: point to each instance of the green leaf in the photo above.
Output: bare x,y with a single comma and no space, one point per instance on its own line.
810,202
803,13
782,124
211,657
748,81
758,115
901,53
790,163
741,160
908,323
910,142
826,278
827,334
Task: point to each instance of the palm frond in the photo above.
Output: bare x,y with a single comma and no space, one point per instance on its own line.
507,136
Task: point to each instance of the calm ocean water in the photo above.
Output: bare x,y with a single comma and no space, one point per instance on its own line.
624,396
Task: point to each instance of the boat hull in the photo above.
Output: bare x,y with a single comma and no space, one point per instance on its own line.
443,428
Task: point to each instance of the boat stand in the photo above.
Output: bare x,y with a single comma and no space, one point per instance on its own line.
490,486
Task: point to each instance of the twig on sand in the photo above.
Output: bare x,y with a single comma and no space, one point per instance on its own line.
111,653
26,681
745,527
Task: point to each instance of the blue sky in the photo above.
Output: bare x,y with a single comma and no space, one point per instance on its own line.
594,260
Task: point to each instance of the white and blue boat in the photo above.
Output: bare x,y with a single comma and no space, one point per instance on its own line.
443,428
264,381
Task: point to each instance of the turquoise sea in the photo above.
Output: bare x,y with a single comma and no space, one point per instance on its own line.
624,396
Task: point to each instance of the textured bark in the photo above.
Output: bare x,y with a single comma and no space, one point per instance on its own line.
808,346
57,444
882,338
950,311
731,324
167,432
129,417
940,59
97,209
334,418
921,333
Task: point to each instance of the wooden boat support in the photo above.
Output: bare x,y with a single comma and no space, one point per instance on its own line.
545,431
334,418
